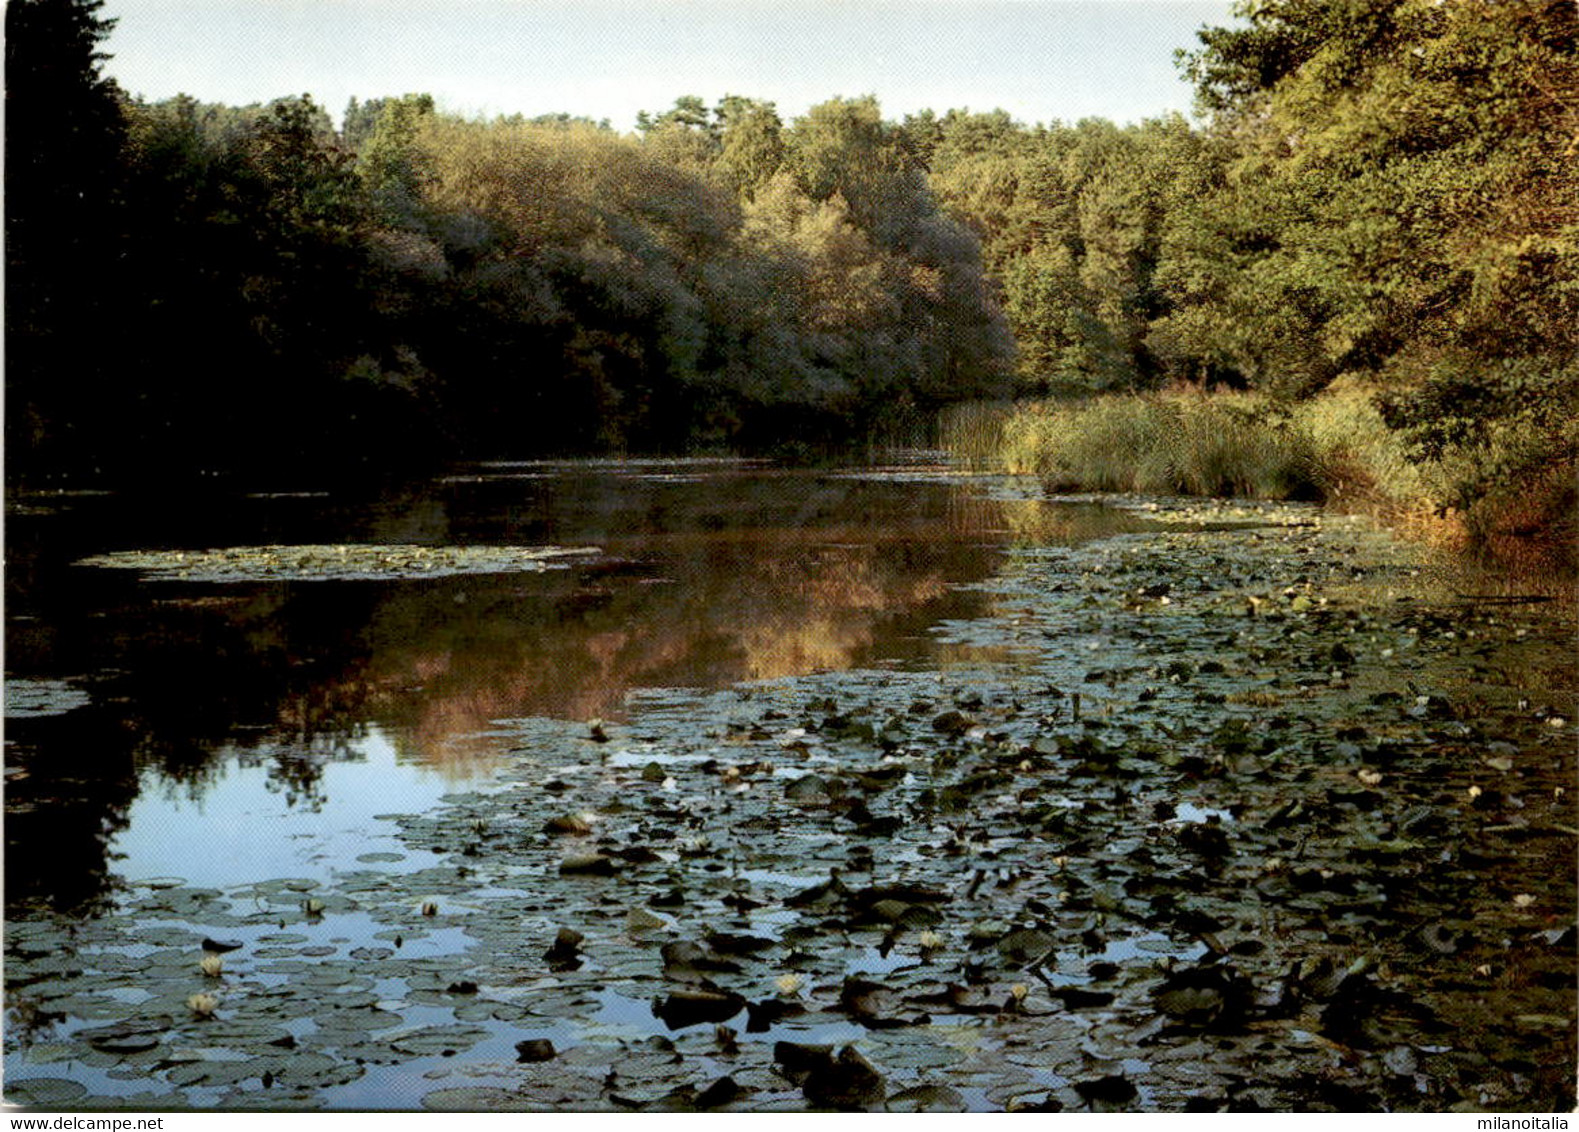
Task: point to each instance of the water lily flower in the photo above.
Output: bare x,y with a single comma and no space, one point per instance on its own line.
202,1005
788,983
211,965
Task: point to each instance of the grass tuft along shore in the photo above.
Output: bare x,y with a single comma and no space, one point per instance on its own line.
1511,500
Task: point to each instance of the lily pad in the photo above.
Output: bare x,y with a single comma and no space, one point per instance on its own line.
927,1098
34,699
44,1092
475,1098
534,1049
131,1036
429,1040
694,1007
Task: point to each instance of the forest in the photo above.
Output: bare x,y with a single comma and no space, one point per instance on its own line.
786,610
1377,200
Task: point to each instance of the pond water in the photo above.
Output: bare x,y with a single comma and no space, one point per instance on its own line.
883,788
156,726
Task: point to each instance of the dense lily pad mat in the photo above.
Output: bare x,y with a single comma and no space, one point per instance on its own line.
26,699
1261,818
338,562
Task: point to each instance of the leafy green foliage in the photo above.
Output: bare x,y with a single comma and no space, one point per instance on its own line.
394,170
1401,203
1384,193
255,315
1076,223
688,286
417,287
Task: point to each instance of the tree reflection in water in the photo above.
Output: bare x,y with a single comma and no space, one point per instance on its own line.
706,580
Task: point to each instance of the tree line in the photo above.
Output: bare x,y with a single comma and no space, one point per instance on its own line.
1379,190
252,290
1380,194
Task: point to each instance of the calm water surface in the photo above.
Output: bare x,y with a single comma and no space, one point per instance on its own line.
226,733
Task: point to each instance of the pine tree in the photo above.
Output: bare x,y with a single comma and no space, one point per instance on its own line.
64,139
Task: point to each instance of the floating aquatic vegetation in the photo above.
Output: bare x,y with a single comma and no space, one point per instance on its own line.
339,562
33,698
478,1098
1179,894
44,1092
534,1049
446,1040
1110,1093
691,1007
845,1080
202,1005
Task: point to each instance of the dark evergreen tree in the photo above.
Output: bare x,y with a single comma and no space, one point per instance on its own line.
64,137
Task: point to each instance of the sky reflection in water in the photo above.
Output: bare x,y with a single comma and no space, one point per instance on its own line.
246,825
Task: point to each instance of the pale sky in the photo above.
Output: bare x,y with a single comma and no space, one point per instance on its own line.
1040,60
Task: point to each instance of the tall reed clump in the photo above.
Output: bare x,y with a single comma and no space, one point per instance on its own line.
1174,444
972,431
1514,496
1365,466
